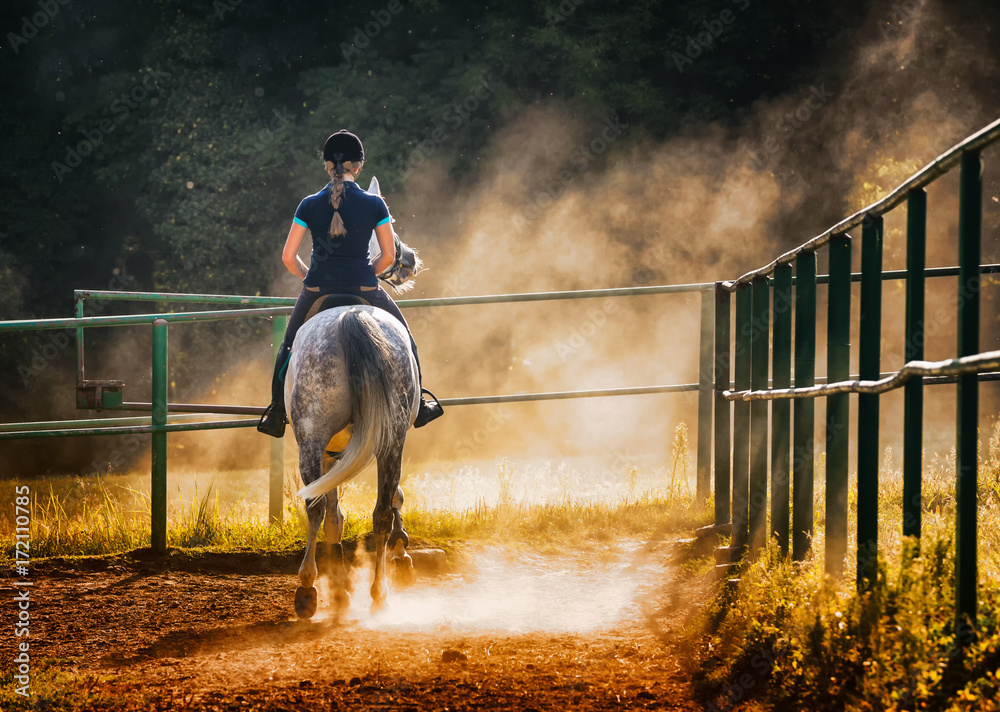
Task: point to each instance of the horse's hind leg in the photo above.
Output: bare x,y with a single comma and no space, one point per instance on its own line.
306,599
305,595
402,565
389,469
335,568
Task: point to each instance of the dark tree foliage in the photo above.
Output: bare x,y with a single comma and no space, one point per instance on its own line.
170,140
163,144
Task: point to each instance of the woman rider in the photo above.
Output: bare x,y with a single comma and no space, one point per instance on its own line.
341,218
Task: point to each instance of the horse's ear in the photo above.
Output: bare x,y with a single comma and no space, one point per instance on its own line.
373,187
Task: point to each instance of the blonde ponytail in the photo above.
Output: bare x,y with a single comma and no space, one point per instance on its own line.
337,192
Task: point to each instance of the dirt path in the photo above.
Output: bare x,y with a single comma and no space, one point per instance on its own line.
515,632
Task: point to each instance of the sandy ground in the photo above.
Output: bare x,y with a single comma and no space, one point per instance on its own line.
508,631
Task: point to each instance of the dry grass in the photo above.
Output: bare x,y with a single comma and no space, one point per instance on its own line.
96,517
790,638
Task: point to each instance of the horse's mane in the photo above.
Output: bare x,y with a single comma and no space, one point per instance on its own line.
407,264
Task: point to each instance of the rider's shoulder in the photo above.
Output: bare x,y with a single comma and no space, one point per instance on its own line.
367,198
355,188
322,194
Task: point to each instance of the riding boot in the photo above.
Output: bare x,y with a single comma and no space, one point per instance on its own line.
273,421
429,409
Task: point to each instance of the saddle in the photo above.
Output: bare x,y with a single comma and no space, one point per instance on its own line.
331,301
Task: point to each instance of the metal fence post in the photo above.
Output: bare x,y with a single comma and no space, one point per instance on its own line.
741,421
723,407
913,393
703,482
969,280
158,485
781,409
804,443
837,405
759,337
276,489
79,343
869,348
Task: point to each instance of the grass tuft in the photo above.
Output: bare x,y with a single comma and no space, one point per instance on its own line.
54,686
789,637
94,518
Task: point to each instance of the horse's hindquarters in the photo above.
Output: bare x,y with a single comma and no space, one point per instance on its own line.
351,399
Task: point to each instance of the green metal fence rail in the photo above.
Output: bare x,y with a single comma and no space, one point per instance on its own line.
947,370
714,318
737,377
158,425
161,422
765,307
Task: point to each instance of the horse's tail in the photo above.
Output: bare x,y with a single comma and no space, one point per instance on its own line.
379,406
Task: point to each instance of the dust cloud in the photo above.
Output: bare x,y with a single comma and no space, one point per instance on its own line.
513,592
574,200
570,200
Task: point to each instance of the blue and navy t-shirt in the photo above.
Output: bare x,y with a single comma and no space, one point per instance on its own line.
342,259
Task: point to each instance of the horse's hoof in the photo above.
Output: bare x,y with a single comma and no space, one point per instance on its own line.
402,571
305,601
397,536
341,600
380,607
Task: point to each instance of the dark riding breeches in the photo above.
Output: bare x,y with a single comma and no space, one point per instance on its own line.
375,296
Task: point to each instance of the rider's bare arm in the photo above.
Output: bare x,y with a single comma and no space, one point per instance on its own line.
383,233
290,255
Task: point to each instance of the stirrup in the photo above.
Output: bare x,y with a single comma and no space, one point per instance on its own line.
272,422
429,409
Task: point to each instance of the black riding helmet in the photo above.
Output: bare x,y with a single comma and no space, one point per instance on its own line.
343,146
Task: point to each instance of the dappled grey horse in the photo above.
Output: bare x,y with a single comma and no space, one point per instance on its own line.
351,375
